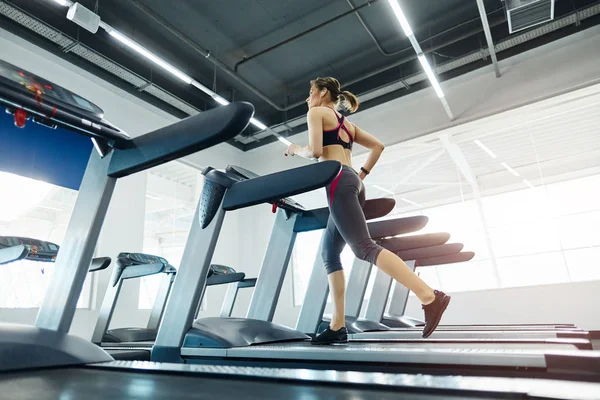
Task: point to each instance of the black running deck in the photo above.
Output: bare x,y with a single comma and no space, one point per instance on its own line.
140,380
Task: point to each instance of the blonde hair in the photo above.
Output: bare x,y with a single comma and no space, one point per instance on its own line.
348,100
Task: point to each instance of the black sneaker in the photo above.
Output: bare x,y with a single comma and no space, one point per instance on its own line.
329,336
434,312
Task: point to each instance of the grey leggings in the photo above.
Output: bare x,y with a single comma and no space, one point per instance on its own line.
347,224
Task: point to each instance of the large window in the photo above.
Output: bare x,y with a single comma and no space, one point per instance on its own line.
539,236
39,210
173,191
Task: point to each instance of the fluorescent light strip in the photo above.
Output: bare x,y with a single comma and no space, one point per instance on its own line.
485,148
525,181
401,17
510,169
135,46
203,88
50,208
383,189
404,199
257,123
64,3
431,76
153,197
125,40
283,140
220,100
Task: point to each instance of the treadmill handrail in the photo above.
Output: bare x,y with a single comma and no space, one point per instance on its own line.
316,219
396,226
181,139
272,187
463,256
440,251
402,243
99,264
13,253
122,272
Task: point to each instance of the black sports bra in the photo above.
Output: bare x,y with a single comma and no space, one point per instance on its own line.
332,136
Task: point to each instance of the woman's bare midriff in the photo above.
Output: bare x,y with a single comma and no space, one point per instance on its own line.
337,153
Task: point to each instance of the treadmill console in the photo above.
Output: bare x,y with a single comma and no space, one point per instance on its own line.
243,173
43,89
216,269
39,250
141,258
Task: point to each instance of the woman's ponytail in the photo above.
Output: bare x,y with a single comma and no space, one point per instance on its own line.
350,101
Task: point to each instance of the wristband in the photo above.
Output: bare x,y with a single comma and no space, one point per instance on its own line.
364,170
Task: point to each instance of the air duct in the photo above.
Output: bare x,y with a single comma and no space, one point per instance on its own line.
523,14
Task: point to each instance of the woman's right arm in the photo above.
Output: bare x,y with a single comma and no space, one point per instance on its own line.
370,142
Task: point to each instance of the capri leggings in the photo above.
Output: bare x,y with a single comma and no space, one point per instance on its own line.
347,223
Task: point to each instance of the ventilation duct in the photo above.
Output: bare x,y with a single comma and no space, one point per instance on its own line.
523,14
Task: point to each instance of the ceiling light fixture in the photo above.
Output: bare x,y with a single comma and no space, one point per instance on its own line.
485,148
431,76
64,3
157,60
149,55
510,169
257,123
401,17
525,181
404,199
220,100
383,189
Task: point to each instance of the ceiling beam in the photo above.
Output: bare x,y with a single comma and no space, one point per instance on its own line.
488,36
421,167
463,165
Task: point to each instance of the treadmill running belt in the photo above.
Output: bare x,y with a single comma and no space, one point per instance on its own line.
89,384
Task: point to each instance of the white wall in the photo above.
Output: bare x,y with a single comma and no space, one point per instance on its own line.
123,227
526,78
566,303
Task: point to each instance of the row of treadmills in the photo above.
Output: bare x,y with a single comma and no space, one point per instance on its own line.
254,357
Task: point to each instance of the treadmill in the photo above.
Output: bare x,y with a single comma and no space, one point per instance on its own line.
256,341
434,246
136,343
409,248
132,266
16,248
63,365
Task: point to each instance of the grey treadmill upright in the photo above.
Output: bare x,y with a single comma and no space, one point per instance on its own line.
133,266
115,155
259,342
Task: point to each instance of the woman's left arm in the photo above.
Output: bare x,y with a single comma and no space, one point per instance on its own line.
315,137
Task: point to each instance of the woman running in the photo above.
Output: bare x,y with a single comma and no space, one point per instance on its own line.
331,137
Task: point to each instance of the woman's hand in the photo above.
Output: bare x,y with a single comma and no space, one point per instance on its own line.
291,151
362,175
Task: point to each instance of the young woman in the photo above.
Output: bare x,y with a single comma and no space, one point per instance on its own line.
331,137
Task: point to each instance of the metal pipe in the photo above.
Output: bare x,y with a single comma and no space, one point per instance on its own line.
301,34
488,36
386,54
205,53
414,56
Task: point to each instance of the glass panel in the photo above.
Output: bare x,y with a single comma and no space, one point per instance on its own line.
41,211
583,264
473,275
528,238
173,191
580,230
537,269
